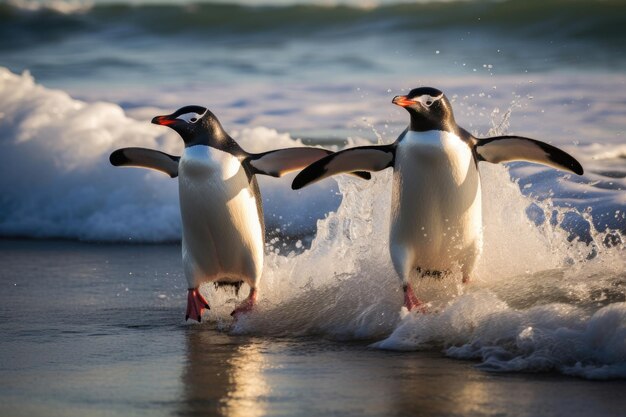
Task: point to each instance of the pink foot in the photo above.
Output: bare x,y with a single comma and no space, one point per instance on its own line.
195,304
411,301
247,304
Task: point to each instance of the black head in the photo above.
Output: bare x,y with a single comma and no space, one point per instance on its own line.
195,124
429,109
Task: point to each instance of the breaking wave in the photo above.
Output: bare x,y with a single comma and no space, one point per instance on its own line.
530,19
57,181
549,293
538,301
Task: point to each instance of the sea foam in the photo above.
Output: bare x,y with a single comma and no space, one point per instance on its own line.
541,298
57,181
537,302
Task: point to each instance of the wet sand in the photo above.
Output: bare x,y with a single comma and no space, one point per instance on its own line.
97,330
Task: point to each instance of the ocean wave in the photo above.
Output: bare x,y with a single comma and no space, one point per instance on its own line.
57,181
48,132
66,187
548,337
56,6
578,20
540,300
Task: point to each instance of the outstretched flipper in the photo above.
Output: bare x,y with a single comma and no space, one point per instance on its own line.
146,158
279,162
517,148
361,158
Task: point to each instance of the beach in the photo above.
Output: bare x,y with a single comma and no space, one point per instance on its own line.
98,330
93,291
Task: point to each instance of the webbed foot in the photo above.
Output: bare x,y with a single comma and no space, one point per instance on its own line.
411,302
195,304
246,305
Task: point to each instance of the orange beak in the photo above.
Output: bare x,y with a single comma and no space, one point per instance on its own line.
163,121
402,101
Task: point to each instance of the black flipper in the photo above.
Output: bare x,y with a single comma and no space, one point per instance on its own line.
361,158
517,148
278,162
146,158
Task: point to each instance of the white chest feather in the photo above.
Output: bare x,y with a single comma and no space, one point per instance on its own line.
222,232
436,212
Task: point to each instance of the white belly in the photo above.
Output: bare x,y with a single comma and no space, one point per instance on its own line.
222,232
436,220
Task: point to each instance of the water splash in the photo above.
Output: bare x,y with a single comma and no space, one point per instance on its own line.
541,298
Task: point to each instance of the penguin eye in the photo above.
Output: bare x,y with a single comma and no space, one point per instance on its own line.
427,100
189,117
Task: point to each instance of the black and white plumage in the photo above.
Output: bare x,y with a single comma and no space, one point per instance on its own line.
220,202
436,215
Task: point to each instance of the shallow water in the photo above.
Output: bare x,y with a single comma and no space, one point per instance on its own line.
92,327
98,330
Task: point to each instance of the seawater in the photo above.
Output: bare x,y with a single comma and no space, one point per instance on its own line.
98,329
549,291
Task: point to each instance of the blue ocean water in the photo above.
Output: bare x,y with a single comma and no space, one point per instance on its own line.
317,71
185,42
79,80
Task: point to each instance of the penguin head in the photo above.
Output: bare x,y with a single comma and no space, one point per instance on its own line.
429,109
195,124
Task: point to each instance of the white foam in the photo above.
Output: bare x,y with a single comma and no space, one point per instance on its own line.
537,301
58,6
57,180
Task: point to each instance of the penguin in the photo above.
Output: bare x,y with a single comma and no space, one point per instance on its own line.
436,213
220,203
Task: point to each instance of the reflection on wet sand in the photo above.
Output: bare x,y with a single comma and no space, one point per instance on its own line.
251,376
249,388
223,376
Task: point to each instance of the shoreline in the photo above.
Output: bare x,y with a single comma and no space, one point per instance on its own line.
98,330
